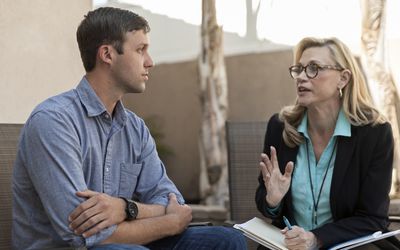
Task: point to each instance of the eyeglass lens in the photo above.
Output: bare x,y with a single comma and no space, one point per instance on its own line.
311,70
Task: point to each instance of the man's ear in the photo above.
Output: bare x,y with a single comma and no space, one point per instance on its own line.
345,77
104,54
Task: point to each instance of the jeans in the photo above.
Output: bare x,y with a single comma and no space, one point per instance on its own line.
193,238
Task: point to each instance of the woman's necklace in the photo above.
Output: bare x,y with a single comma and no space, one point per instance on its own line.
315,204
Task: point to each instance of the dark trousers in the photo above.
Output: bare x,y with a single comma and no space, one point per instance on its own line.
194,238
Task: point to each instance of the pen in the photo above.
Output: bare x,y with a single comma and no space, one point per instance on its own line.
287,223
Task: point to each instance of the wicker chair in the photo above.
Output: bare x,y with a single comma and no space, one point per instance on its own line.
244,143
9,134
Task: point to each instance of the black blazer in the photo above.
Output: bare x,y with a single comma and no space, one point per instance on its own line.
360,185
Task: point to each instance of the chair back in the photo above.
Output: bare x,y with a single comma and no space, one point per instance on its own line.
244,143
9,134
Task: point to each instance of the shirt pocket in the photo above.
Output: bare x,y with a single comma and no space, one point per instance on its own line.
128,179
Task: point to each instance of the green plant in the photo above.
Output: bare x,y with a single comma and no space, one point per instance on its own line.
154,123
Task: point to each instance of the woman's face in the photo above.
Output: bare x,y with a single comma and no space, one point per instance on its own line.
323,89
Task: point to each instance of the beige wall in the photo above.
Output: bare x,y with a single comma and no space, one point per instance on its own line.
259,85
40,56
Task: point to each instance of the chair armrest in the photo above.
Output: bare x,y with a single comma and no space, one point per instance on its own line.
394,218
200,223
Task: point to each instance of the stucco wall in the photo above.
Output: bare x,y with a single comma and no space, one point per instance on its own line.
259,85
40,56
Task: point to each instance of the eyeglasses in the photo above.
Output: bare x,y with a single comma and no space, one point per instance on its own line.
310,69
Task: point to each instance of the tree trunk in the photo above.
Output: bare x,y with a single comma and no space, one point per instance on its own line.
380,81
251,19
214,103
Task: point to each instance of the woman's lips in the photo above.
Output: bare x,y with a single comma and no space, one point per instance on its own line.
302,89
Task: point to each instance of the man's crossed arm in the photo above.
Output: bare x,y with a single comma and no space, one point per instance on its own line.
154,222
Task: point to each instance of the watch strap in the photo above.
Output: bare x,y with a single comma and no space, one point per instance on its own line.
131,209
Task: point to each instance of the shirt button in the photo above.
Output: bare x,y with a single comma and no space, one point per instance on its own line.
107,116
107,169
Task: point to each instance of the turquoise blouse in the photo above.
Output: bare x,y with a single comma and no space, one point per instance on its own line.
306,169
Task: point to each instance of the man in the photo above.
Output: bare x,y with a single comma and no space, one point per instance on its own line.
82,157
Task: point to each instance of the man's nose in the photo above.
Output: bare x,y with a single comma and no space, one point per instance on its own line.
148,63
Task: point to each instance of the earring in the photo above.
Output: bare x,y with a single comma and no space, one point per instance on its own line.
340,93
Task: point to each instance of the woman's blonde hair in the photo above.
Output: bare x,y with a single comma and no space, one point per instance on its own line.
356,101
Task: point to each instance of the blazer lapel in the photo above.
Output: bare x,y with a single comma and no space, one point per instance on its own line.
290,155
344,154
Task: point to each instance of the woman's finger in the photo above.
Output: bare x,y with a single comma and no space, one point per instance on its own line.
289,169
274,158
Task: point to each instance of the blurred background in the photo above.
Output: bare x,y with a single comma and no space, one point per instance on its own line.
40,58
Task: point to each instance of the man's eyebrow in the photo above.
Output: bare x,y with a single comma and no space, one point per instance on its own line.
143,45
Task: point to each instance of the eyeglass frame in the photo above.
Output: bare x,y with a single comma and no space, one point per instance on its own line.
319,67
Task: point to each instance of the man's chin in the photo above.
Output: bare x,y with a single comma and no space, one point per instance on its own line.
137,89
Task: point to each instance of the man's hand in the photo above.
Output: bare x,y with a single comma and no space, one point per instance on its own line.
98,212
299,239
275,183
182,214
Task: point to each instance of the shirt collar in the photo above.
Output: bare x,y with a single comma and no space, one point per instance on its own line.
93,104
342,127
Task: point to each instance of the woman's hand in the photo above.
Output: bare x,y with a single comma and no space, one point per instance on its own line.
299,239
275,183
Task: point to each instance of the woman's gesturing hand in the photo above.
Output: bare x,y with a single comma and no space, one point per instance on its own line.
275,183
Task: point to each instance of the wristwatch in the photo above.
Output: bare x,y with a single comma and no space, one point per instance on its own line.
131,209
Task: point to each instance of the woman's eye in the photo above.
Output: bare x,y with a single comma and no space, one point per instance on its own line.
298,69
313,67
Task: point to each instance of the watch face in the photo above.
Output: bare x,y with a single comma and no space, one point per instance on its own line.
132,210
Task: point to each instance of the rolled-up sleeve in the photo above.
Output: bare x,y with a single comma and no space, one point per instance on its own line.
52,156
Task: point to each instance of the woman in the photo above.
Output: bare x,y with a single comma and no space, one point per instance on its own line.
328,159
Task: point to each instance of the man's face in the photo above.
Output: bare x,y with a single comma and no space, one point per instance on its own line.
131,69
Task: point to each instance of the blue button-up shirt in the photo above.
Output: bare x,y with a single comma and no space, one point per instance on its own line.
301,189
70,143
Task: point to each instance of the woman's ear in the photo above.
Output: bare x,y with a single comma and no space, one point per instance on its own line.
345,77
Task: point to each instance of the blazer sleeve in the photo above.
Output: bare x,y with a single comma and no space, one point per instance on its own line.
272,135
367,211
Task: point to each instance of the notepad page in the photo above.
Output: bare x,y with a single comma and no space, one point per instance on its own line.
263,231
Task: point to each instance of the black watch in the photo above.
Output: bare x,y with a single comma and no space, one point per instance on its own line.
131,209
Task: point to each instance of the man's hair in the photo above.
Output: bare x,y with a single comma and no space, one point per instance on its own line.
106,25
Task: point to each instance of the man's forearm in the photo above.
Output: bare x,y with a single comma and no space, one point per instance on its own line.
143,231
100,211
149,211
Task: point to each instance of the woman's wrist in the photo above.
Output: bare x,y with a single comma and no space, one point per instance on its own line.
272,202
314,244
